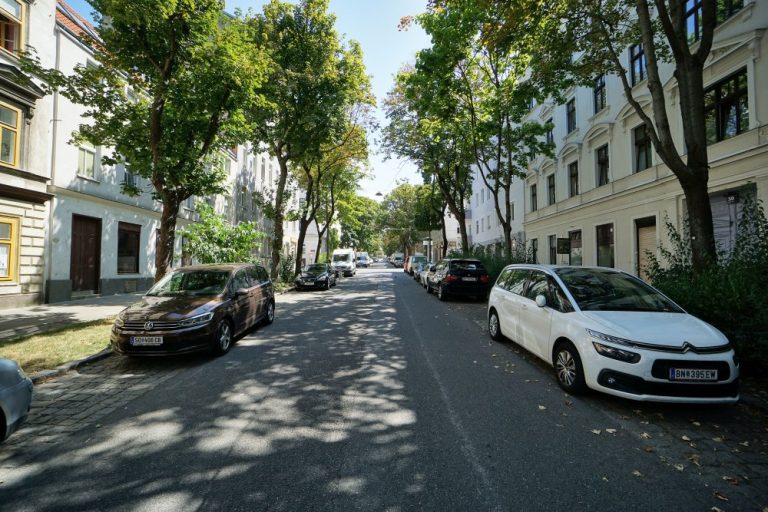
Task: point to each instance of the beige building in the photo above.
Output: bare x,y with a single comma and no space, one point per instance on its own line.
606,195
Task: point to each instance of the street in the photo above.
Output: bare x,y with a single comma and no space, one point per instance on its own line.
370,396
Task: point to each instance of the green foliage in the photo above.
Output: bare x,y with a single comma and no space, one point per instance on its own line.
399,212
214,240
729,295
287,271
493,257
358,216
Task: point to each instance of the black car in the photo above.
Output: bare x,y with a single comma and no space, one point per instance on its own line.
316,275
196,308
459,277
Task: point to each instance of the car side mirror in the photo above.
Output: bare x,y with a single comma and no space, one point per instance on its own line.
432,268
541,301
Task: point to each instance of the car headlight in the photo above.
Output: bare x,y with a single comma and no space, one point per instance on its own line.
613,352
197,320
120,320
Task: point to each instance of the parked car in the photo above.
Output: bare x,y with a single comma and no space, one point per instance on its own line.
15,397
607,330
343,262
459,277
363,260
412,262
424,276
316,275
196,308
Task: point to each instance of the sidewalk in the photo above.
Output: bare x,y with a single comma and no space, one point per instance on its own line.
20,322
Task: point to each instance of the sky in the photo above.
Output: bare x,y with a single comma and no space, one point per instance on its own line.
373,23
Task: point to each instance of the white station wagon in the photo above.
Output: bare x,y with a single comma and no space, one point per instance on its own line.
609,331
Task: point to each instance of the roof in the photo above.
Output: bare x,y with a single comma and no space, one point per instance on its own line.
71,20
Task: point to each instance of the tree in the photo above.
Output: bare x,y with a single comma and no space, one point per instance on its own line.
307,91
339,184
358,216
427,131
487,88
552,32
172,81
214,240
399,211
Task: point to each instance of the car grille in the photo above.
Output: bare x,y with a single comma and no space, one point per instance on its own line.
637,386
140,325
661,367
687,347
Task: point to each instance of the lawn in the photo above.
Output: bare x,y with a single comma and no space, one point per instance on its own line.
49,350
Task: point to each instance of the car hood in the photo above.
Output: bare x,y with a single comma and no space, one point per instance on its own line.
667,329
169,308
314,275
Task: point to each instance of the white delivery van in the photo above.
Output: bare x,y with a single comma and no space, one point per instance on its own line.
343,262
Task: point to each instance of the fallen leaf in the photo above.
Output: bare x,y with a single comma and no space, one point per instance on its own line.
720,496
717,439
686,438
648,449
542,408
679,467
568,403
644,422
731,480
495,366
493,355
527,380
624,417
715,509
695,459
645,435
596,432
637,473
696,423
610,430
745,443
604,479
637,411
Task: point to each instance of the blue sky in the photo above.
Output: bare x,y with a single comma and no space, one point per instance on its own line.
373,23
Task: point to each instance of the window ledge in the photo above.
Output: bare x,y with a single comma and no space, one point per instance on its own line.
600,113
88,178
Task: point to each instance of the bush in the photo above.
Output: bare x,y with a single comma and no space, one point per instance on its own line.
493,258
286,271
730,293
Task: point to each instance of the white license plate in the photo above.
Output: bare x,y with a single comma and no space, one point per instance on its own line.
146,341
469,279
692,374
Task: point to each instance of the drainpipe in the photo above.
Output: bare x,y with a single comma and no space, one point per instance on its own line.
54,132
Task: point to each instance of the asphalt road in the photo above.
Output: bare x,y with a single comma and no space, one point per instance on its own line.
376,396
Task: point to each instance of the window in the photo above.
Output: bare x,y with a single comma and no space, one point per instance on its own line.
11,23
477,227
130,179
599,95
570,115
726,107
637,63
573,179
601,157
574,257
10,120
534,199
86,163
482,196
551,132
725,9
489,222
605,245
551,189
263,169
512,211
9,248
534,254
642,148
128,238
552,249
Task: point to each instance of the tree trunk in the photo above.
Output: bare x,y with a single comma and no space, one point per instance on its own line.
320,234
277,242
164,250
303,226
445,238
701,232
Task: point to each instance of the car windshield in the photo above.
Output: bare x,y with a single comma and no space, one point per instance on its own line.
314,268
418,259
196,282
467,265
342,257
604,290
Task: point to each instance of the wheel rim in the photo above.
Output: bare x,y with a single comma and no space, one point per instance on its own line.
493,325
440,292
271,312
225,336
566,368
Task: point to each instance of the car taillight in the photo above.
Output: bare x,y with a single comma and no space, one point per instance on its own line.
449,278
484,278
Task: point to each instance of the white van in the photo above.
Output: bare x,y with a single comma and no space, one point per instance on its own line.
343,262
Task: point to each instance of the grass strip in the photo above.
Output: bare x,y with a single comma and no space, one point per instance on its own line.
51,349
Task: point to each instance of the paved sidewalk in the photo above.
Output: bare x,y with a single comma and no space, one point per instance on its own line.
19,322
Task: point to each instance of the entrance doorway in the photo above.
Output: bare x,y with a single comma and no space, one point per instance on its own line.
84,269
645,231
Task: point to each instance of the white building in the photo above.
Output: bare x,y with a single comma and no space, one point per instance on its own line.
483,226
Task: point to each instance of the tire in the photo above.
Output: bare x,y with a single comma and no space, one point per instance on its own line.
441,295
270,316
429,289
222,339
494,326
327,283
568,369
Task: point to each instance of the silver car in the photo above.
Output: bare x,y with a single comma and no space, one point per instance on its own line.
15,397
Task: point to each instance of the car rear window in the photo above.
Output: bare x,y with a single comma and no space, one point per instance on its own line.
467,265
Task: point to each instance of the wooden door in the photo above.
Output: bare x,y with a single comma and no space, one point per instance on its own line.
646,243
84,268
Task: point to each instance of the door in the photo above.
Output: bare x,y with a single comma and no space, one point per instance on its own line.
244,308
646,244
512,304
257,293
85,260
534,320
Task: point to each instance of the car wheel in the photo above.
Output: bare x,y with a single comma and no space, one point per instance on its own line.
429,289
327,283
222,340
494,328
570,372
270,316
441,295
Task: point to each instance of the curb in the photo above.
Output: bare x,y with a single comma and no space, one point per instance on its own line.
72,365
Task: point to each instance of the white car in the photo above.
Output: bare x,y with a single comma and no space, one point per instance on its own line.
15,397
609,331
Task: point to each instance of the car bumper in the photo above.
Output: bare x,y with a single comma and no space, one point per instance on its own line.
647,381
178,341
18,400
465,289
315,284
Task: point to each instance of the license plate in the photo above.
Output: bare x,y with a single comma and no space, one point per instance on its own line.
469,279
146,341
692,374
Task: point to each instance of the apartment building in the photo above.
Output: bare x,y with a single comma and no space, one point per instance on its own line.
483,226
25,119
